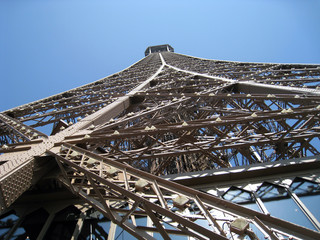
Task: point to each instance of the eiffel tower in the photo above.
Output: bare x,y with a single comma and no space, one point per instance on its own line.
172,147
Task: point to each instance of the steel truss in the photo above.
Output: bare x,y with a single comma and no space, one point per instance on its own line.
115,139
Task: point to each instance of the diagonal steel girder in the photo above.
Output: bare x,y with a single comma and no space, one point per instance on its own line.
16,169
185,144
103,183
19,166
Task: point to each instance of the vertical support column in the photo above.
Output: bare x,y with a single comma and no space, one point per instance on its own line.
112,231
149,224
46,226
79,225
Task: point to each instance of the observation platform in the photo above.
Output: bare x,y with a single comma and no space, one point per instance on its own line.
158,48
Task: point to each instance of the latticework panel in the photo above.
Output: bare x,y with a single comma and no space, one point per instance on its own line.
168,114
123,194
187,122
78,103
13,131
294,75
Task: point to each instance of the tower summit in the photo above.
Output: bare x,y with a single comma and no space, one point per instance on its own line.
158,48
171,146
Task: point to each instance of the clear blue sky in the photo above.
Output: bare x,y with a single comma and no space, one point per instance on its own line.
47,46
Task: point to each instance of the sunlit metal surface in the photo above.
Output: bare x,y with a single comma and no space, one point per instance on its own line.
171,146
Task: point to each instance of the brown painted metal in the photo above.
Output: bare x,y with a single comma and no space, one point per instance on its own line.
166,114
72,156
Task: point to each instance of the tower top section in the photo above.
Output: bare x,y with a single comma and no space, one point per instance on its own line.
158,48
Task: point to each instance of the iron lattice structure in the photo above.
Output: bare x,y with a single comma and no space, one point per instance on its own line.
116,142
